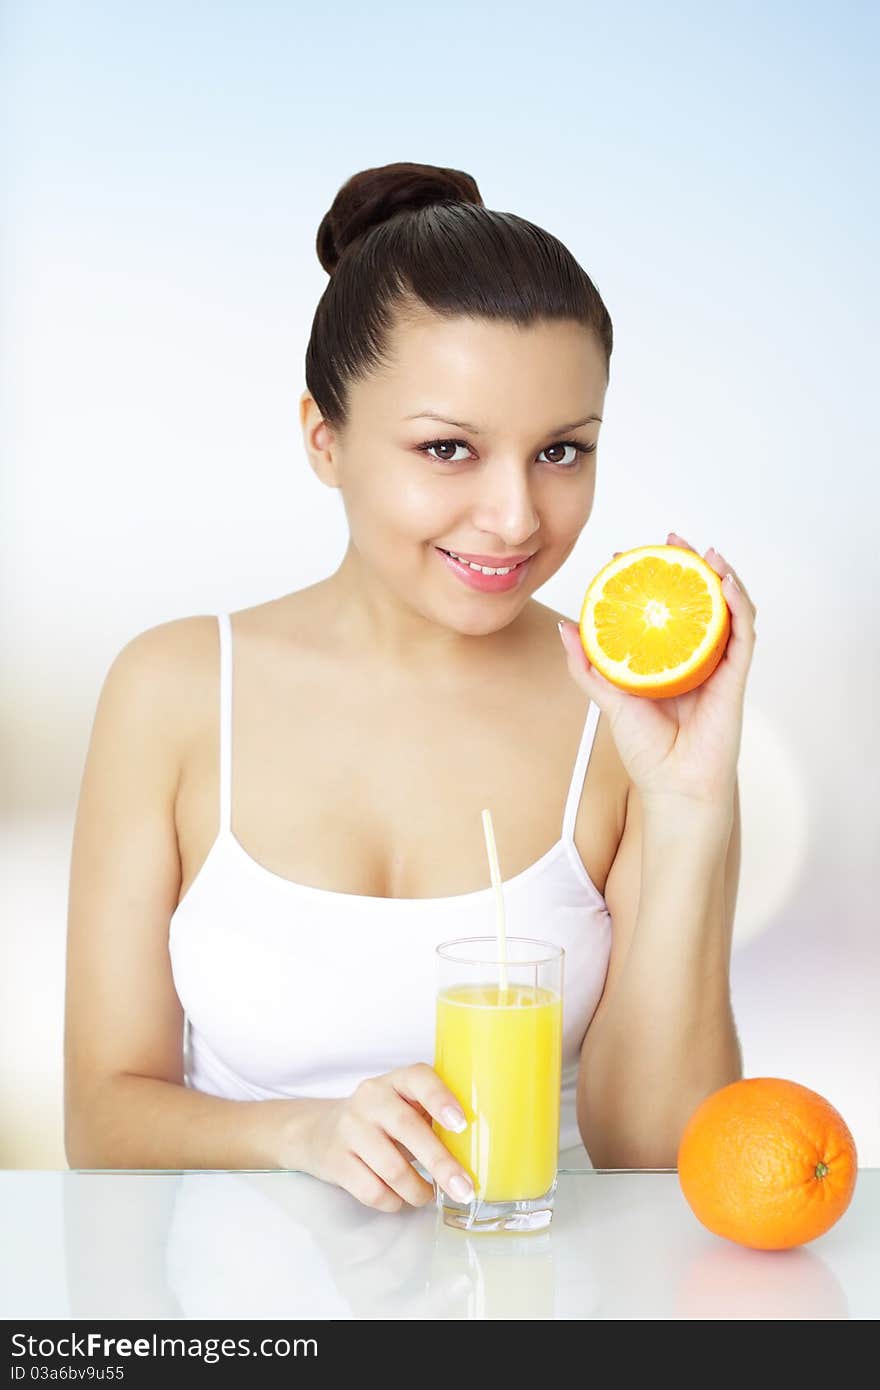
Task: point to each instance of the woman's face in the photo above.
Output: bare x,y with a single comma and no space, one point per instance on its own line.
507,480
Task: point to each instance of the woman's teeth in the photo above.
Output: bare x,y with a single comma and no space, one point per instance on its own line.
483,569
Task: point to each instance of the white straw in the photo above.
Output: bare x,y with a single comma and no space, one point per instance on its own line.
499,897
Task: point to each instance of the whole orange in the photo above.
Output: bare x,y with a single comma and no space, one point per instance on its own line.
767,1163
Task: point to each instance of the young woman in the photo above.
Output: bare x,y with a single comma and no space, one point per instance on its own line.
279,817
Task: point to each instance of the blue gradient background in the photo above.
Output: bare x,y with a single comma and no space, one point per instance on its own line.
165,171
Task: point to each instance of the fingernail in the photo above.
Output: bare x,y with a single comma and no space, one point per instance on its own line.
732,581
559,629
461,1188
452,1118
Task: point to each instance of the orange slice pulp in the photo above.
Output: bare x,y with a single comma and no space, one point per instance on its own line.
655,621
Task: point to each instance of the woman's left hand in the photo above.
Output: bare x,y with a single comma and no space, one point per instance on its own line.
684,748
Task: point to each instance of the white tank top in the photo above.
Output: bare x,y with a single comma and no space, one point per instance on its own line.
291,991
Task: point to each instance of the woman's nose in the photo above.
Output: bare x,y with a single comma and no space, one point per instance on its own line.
506,507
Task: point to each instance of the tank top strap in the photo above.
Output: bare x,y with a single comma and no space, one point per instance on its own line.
580,771
225,627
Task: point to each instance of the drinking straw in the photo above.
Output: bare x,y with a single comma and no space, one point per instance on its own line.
492,852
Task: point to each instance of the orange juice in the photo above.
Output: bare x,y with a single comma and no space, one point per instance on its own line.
500,1052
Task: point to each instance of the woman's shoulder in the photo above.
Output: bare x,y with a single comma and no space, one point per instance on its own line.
165,671
184,652
178,661
171,652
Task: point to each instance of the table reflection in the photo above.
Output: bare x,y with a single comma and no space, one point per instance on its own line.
286,1245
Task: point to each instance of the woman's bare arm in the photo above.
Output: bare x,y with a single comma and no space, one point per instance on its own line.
125,1104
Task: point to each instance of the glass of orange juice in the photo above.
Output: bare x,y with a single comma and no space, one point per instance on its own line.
499,1050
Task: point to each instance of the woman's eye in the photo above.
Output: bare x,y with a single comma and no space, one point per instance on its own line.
557,462
445,444
567,444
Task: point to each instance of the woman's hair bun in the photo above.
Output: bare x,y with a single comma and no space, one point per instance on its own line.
373,195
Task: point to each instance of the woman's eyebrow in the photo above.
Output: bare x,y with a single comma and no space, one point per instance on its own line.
463,425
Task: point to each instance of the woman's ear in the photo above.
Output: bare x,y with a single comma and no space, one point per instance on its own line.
319,440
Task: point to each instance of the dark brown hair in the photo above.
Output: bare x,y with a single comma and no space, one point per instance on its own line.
406,237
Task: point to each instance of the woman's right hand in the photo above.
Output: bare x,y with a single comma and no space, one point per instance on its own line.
363,1142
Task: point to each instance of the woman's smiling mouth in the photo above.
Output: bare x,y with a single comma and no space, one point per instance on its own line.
487,563
486,578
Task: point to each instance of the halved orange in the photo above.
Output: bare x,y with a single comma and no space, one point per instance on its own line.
655,621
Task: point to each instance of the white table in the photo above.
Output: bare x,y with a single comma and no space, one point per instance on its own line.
152,1245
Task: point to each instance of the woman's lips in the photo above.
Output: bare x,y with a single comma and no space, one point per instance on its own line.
486,583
